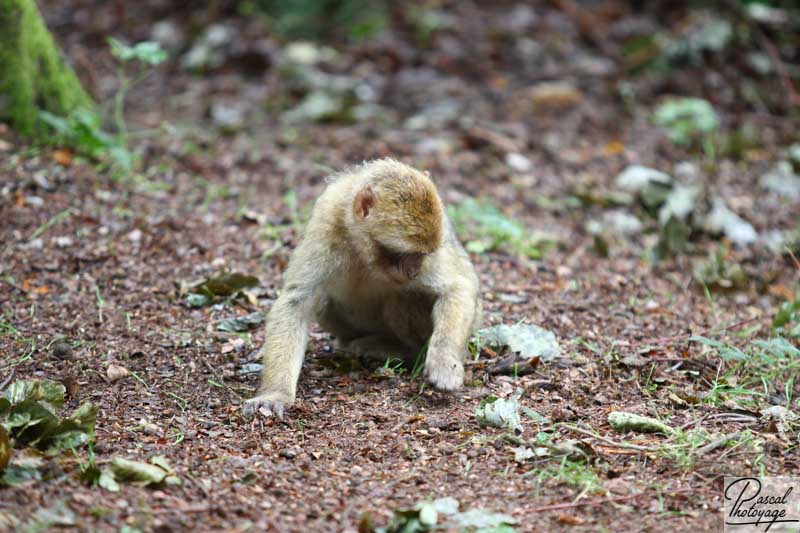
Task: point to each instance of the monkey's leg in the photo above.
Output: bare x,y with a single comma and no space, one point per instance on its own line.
454,315
283,352
287,330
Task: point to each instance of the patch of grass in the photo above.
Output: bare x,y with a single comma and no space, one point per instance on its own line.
787,319
767,368
29,343
101,303
719,271
394,364
487,229
83,129
685,447
320,19
574,473
52,222
681,451
419,362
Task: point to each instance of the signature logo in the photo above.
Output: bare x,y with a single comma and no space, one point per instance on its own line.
748,502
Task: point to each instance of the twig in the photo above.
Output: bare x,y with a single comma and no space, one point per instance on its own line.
693,423
772,51
780,67
719,443
685,336
794,258
604,501
6,381
221,380
609,442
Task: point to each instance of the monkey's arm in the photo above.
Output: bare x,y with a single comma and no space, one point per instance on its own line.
455,315
287,330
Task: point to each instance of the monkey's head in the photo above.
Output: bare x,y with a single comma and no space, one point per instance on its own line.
398,219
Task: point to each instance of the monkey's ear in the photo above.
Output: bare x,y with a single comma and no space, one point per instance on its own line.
364,202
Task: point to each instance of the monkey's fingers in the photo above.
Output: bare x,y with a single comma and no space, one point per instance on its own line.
265,405
444,373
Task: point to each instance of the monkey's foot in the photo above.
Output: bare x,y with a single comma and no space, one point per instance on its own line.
267,404
445,374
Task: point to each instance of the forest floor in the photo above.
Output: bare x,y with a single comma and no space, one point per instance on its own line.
94,266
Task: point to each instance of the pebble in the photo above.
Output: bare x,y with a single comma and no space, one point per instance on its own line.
288,453
62,350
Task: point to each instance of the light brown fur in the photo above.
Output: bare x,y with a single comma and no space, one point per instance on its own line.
380,268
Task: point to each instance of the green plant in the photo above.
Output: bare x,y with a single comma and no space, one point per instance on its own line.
488,229
28,418
787,319
688,120
147,54
770,365
83,130
574,473
319,19
394,364
719,272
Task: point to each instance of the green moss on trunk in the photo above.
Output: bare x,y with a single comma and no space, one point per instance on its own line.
33,74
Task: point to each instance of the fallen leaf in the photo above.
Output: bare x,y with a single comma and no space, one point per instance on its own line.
63,157
528,341
241,323
622,421
499,412
115,372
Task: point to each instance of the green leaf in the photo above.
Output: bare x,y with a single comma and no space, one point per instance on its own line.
527,340
15,475
622,421
225,284
148,52
788,314
57,515
50,393
498,412
241,323
489,229
729,353
74,431
427,514
481,519
198,300
107,481
29,422
155,473
779,347
686,119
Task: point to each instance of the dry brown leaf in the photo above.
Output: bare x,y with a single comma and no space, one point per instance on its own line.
63,157
570,520
115,372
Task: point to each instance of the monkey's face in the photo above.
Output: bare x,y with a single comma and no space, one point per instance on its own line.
399,267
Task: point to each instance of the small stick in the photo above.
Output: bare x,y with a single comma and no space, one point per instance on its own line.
794,258
609,442
685,336
713,445
6,381
604,501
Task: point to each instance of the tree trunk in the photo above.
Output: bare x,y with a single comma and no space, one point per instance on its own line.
33,74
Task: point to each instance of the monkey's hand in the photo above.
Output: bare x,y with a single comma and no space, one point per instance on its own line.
267,404
444,370
453,316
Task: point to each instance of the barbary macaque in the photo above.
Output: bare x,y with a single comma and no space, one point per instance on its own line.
380,268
